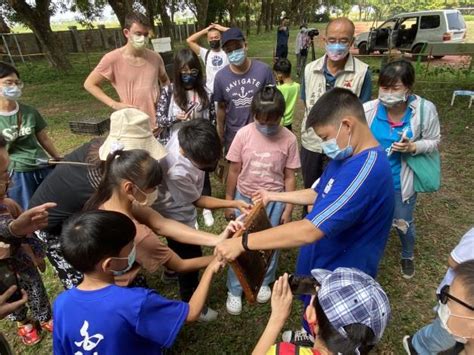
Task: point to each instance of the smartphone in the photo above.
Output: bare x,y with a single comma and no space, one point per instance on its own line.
190,108
8,278
303,285
402,138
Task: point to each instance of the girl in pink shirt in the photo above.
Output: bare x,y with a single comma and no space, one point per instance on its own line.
263,155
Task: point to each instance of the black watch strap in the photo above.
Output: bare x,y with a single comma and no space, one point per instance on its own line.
245,239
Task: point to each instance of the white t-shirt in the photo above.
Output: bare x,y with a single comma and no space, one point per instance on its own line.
464,251
215,62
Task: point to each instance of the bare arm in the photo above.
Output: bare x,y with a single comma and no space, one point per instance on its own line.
93,85
290,235
231,183
290,185
212,203
173,229
221,120
301,197
194,38
163,76
197,301
281,308
187,265
47,143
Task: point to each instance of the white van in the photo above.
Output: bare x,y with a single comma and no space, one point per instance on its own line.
409,32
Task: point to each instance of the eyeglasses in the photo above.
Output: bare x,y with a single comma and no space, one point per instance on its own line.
444,295
8,83
193,72
333,40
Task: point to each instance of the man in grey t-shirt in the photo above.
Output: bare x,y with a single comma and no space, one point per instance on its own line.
214,59
236,84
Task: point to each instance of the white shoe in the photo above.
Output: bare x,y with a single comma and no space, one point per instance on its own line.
264,294
208,218
233,304
208,315
298,337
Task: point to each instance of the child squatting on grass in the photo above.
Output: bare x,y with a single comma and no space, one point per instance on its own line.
263,155
104,318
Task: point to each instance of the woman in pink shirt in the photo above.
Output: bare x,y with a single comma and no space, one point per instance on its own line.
263,155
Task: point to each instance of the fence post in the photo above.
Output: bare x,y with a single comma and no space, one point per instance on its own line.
76,41
103,37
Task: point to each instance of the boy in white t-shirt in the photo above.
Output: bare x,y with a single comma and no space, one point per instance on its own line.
215,58
434,338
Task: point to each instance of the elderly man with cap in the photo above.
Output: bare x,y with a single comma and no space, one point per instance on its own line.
236,84
71,184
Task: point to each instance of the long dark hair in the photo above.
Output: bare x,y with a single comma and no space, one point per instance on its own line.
359,336
134,165
187,57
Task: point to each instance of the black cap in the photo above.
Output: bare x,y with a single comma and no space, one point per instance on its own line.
231,34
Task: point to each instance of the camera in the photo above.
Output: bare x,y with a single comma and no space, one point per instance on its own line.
312,32
303,285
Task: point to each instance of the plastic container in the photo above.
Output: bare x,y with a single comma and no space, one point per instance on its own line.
161,44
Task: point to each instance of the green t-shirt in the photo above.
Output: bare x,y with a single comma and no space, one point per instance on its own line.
290,93
22,144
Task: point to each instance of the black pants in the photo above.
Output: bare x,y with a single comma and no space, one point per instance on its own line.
206,189
281,51
312,166
188,281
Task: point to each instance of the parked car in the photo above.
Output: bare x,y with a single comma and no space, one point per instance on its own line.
409,32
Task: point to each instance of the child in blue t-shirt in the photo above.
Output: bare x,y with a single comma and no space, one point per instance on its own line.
99,317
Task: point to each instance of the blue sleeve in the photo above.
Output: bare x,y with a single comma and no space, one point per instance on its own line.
160,319
366,91
218,93
344,198
57,345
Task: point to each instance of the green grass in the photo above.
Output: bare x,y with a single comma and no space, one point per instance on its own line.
441,218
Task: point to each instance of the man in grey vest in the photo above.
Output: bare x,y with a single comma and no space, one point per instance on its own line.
337,68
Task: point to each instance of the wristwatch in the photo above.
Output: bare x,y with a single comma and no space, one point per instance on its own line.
245,238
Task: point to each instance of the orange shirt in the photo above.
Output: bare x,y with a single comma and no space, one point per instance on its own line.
136,85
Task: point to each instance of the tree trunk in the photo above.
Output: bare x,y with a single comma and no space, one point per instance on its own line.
247,18
121,9
261,18
165,19
272,14
201,12
3,26
150,7
37,19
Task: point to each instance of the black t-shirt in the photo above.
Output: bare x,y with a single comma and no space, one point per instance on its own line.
69,186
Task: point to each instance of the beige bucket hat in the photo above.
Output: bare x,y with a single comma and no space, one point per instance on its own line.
130,129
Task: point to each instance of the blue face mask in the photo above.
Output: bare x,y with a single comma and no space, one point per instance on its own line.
237,57
188,79
337,51
130,259
267,130
11,92
332,150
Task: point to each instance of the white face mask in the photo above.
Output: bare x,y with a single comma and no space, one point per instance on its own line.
444,313
150,197
130,261
139,42
391,99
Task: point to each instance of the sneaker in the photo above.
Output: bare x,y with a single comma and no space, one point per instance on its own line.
208,217
408,268
408,346
208,315
48,326
298,337
169,276
233,304
264,294
29,334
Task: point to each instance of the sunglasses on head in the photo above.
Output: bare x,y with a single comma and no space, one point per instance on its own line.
444,296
